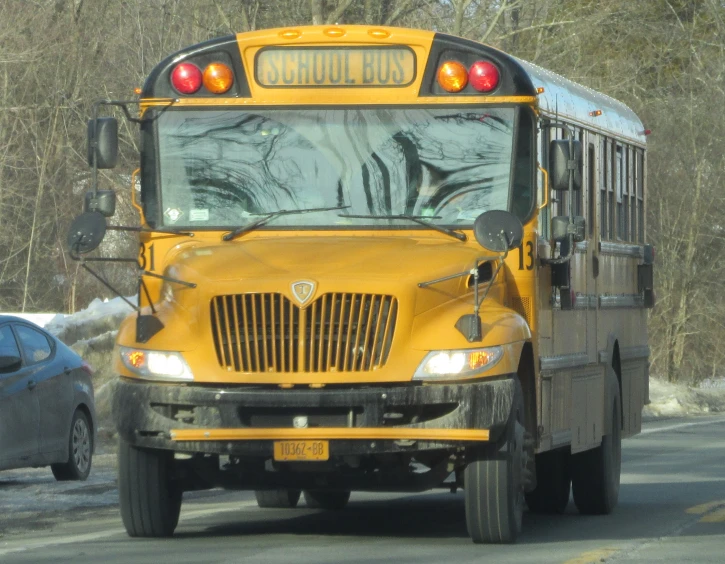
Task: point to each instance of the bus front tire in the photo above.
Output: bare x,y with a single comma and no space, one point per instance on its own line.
494,487
149,497
596,472
553,483
277,499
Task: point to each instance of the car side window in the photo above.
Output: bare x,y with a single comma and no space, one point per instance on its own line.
8,346
35,345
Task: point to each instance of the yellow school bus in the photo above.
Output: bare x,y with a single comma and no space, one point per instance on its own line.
377,259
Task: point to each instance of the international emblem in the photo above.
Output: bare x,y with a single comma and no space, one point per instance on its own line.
303,290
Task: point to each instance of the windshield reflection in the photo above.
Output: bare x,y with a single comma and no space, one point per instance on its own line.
222,168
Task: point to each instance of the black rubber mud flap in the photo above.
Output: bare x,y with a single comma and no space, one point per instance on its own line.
553,483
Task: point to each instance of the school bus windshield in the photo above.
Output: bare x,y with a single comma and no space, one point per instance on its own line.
225,168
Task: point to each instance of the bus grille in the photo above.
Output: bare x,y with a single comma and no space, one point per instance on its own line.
337,332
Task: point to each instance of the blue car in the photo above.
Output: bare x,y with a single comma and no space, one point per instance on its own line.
47,414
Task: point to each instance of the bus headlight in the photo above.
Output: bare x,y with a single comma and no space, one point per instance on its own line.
456,365
156,365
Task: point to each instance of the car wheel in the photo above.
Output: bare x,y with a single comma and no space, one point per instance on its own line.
80,451
277,499
149,495
330,500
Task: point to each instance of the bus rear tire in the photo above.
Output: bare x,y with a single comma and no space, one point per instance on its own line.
494,487
277,499
553,483
149,497
596,472
329,500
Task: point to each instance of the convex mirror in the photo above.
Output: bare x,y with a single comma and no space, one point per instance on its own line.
498,230
86,232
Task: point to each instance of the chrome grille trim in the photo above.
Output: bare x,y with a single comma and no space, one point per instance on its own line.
342,332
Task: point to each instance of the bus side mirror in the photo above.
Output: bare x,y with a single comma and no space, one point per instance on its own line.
560,228
498,231
102,201
103,142
86,233
560,162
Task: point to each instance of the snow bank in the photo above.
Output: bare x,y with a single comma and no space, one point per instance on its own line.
673,400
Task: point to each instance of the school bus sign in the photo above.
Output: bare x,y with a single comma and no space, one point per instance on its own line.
332,66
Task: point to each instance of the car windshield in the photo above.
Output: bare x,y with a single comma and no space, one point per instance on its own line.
223,169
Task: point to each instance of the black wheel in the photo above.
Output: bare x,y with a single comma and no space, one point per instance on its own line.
595,473
494,486
80,451
331,500
277,498
149,497
553,483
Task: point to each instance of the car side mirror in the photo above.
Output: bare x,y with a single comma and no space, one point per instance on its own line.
102,201
560,162
498,230
103,142
9,363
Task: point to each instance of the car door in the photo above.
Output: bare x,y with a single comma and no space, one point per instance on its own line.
53,388
19,407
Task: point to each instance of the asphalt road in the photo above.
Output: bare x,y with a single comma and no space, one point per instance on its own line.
671,509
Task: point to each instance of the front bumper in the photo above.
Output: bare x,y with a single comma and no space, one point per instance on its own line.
246,420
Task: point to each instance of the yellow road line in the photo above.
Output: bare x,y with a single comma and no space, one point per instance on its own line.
714,517
704,507
592,557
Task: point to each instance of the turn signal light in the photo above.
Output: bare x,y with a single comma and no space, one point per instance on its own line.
452,76
186,78
483,76
218,78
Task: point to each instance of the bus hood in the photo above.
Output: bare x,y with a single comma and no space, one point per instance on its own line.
392,265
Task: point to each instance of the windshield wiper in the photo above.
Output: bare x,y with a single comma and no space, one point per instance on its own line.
420,219
264,219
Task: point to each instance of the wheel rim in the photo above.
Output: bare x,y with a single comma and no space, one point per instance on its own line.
81,444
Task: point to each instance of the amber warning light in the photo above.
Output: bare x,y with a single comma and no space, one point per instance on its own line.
340,67
187,78
482,76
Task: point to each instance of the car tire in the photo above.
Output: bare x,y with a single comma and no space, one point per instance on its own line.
277,499
596,473
553,483
80,451
149,495
493,483
329,500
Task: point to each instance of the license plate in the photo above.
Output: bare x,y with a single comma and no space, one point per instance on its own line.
301,450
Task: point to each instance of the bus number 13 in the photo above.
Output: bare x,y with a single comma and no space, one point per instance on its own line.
526,258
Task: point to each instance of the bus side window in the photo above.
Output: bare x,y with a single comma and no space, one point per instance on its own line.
621,186
640,196
592,187
604,233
